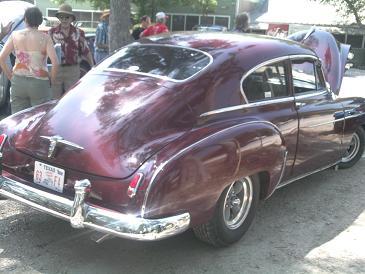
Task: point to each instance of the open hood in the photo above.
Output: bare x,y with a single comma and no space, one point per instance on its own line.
332,54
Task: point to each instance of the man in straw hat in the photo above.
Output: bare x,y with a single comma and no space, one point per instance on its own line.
73,47
101,37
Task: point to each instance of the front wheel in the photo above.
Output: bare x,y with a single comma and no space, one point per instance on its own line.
234,213
355,149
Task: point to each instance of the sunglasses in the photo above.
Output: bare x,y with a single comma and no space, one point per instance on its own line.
61,17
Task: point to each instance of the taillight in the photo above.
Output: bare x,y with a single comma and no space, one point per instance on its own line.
134,184
3,138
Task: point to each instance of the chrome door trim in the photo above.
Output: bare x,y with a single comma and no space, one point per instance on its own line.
305,175
249,105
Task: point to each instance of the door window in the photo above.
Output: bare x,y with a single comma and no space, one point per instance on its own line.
265,83
307,76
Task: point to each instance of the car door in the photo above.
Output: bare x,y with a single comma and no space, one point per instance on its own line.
267,91
320,124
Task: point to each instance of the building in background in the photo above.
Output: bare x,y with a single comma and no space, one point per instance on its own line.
185,18
84,11
303,14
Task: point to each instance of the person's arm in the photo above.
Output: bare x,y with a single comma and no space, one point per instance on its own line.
51,52
5,29
4,54
90,59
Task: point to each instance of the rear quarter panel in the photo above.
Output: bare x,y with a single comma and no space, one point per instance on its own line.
191,173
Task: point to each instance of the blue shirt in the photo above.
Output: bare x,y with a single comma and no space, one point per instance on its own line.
101,36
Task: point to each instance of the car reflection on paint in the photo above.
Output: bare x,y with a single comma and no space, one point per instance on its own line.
185,130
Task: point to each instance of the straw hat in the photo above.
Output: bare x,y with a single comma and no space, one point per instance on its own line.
65,9
105,14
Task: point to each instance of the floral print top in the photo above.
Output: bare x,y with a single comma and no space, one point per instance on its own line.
73,46
30,63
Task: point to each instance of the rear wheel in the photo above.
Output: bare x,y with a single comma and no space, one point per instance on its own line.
355,149
234,213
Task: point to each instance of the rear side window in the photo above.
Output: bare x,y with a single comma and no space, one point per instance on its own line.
165,61
265,83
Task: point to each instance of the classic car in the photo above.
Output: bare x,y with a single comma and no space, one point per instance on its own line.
184,130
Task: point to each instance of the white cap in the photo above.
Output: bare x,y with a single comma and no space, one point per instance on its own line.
160,15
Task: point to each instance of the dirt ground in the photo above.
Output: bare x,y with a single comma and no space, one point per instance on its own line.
315,225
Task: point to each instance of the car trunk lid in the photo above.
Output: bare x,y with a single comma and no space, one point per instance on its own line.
107,125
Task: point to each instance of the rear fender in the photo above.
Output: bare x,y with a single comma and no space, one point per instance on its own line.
190,174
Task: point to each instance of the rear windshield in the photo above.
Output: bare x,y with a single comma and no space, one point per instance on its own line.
173,62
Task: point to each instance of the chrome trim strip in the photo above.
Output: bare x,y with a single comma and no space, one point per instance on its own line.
305,175
302,56
353,116
256,104
158,76
336,120
89,216
326,123
304,96
164,164
283,167
55,140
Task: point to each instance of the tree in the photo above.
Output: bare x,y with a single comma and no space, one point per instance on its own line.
348,7
119,23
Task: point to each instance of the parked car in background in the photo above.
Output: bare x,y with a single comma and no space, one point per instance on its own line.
209,28
184,131
49,22
87,26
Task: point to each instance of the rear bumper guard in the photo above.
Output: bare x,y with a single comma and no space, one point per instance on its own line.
84,215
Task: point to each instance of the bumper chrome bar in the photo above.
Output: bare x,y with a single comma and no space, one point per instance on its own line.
82,214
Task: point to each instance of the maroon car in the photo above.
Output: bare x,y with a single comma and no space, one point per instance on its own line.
184,131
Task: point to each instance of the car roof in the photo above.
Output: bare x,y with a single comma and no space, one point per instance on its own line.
253,48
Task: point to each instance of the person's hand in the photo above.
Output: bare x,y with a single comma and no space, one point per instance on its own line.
6,29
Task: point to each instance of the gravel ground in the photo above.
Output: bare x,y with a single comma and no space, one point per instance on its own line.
315,225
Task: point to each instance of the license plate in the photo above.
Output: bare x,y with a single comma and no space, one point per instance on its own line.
49,176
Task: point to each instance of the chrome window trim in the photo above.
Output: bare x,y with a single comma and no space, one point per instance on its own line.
249,105
243,78
159,76
165,163
274,60
311,94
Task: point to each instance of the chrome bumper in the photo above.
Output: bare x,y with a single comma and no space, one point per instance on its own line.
81,214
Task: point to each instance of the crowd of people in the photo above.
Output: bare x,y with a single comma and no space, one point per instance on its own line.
64,45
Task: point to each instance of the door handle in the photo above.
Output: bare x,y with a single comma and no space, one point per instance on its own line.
299,105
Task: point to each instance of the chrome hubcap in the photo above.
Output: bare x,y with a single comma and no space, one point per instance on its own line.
353,149
237,203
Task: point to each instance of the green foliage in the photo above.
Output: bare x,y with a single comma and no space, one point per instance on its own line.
150,7
349,7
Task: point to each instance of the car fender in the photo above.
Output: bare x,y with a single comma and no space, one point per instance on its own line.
191,173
